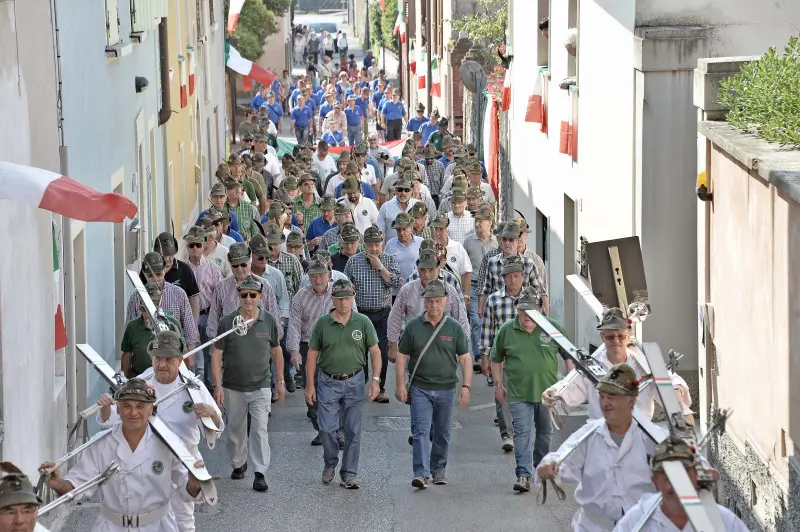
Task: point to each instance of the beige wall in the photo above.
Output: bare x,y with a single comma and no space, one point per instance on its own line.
274,57
754,257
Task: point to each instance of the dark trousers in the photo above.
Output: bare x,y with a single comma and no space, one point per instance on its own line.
380,320
394,128
311,408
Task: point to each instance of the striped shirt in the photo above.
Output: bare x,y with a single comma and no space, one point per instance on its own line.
409,303
499,309
226,300
446,276
388,213
307,307
175,303
247,227
460,226
207,274
494,278
292,271
276,279
372,292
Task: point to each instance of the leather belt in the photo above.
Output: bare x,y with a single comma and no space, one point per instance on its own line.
342,376
204,311
135,521
372,310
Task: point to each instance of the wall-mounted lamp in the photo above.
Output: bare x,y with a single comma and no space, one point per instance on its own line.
141,83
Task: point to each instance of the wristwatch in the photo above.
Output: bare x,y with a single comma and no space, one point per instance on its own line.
376,379
467,387
281,382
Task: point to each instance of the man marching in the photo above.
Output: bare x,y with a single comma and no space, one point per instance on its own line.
150,476
178,413
244,384
434,345
610,464
335,381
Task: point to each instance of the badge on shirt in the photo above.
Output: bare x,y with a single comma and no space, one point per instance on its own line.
170,314
187,406
453,259
158,467
364,212
357,336
544,338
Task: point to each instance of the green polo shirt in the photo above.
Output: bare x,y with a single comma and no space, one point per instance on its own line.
258,188
342,347
437,370
531,359
245,359
135,339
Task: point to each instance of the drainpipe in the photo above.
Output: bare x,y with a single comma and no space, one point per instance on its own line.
163,44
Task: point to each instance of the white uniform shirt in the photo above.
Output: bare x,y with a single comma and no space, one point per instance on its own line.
659,522
226,241
324,167
176,412
220,257
368,175
611,479
457,258
147,480
365,213
578,388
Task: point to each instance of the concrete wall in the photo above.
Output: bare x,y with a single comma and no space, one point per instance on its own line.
33,392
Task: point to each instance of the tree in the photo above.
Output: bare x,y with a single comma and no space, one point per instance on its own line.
388,18
375,31
256,23
488,28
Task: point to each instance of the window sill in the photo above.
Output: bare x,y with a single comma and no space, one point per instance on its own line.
118,51
138,36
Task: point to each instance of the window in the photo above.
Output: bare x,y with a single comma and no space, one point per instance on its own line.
146,14
112,23
211,19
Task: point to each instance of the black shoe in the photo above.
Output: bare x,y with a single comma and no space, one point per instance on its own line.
260,483
476,367
238,473
274,397
381,398
290,386
316,442
341,444
411,440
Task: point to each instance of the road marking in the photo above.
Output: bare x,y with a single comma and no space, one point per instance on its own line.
481,407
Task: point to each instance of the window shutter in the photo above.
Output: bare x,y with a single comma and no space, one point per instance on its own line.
112,23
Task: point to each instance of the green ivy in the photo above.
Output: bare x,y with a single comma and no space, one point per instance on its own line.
375,32
487,25
763,98
256,23
388,18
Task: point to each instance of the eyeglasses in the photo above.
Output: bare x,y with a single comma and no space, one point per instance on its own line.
260,257
194,245
402,189
245,295
152,275
239,265
615,336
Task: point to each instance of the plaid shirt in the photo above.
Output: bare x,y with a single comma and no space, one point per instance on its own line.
309,213
541,271
499,309
388,213
175,303
445,276
372,292
435,172
292,271
425,233
494,278
247,227
409,303
226,300
331,237
275,278
484,269
460,226
207,274
307,307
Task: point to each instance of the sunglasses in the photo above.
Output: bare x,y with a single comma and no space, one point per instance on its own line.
245,295
260,257
615,336
194,245
239,265
154,275
402,189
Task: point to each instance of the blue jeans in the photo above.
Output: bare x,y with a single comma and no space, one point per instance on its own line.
353,135
431,408
202,360
345,399
528,452
475,323
380,320
301,133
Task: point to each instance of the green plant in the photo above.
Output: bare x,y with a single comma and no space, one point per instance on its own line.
487,27
388,18
763,98
256,23
375,32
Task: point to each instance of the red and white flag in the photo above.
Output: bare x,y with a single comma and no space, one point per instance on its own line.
62,195
412,59
423,69
400,25
234,11
507,90
436,78
245,67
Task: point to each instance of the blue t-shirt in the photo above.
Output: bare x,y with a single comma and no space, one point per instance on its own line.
293,97
394,111
312,106
373,162
235,235
318,227
445,161
265,219
324,109
363,105
415,123
334,139
257,102
276,87
368,60
234,220
353,115
427,129
275,111
376,98
302,116
366,190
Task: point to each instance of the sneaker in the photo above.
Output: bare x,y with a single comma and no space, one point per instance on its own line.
290,385
490,380
381,398
419,482
316,442
327,475
350,482
259,483
523,485
439,479
508,445
238,472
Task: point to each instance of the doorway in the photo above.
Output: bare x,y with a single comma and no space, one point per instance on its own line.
570,266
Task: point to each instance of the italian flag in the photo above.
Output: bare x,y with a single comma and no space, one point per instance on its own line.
424,71
62,195
412,59
507,90
60,329
400,24
234,11
436,78
245,67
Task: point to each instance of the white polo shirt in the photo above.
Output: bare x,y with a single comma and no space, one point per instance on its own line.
458,258
365,213
368,175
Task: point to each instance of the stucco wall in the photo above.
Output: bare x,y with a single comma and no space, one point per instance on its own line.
274,57
33,400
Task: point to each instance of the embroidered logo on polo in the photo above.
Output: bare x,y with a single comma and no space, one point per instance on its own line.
544,338
158,467
364,212
187,406
446,338
357,335
453,259
170,314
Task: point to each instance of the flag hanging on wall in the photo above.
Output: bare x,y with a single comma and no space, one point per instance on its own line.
60,328
507,90
234,11
423,69
412,59
436,77
245,67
